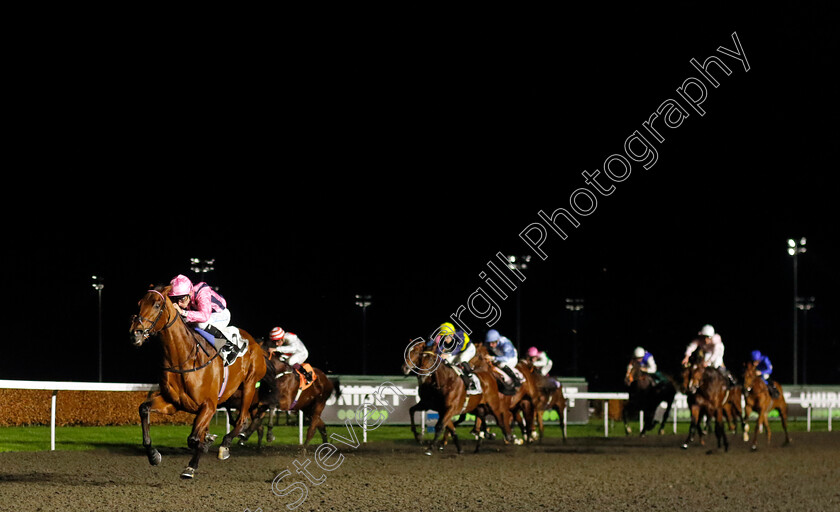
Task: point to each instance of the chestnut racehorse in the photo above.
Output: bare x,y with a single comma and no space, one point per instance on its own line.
645,395
278,390
441,389
521,403
757,397
549,397
706,393
194,377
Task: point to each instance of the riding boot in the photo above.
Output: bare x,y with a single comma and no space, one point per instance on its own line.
512,375
774,392
729,377
467,370
230,351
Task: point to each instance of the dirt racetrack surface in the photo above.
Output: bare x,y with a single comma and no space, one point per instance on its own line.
589,474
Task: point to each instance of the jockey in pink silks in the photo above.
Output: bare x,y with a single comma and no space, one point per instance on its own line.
200,304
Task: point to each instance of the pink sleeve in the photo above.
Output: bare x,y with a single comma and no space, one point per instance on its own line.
203,307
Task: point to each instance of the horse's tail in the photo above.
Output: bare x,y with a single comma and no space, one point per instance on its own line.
336,387
267,382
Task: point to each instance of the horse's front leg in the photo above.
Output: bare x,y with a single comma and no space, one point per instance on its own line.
720,431
625,412
155,403
444,420
745,421
692,426
419,406
197,439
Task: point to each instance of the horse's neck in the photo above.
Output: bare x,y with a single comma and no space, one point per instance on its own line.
179,344
443,375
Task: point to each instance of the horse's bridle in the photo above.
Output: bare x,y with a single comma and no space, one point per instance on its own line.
150,332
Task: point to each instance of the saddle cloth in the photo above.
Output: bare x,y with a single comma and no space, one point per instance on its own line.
302,380
219,343
477,390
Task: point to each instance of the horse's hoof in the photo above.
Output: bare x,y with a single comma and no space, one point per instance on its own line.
518,442
746,437
155,458
685,446
188,473
428,451
210,438
754,448
269,438
224,453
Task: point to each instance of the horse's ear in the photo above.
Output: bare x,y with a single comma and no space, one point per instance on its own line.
165,290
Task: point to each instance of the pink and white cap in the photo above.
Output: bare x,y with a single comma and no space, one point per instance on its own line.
533,352
181,285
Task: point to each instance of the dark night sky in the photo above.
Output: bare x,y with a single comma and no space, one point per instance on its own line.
397,163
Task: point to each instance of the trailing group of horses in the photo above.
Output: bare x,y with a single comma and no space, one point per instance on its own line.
195,380
710,397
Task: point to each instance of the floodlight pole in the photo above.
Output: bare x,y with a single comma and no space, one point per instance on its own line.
363,301
98,285
520,263
794,249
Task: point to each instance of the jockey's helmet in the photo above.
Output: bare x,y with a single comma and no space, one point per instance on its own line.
707,330
755,355
639,352
277,334
181,285
492,336
533,352
446,329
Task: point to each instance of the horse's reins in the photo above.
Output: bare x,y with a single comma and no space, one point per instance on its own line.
149,332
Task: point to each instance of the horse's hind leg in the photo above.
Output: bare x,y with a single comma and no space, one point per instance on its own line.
314,414
538,421
783,416
157,404
248,391
665,415
322,428
560,420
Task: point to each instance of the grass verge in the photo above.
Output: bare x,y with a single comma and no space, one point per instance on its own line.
128,437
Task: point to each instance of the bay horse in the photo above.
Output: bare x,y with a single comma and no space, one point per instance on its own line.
707,393
521,403
194,378
441,389
757,397
549,397
645,395
278,390
732,411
